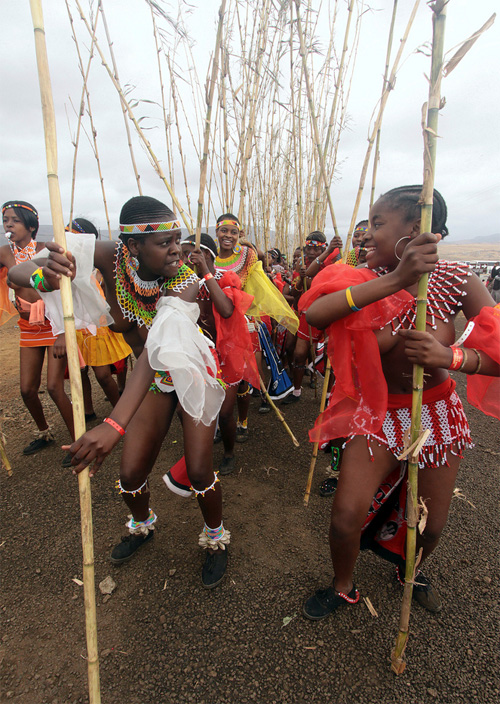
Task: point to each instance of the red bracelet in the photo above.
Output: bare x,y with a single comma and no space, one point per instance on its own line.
208,276
115,425
458,358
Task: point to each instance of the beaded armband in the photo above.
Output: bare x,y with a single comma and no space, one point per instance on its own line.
37,281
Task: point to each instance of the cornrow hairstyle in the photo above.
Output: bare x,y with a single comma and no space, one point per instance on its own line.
361,223
85,226
27,212
141,209
408,200
206,242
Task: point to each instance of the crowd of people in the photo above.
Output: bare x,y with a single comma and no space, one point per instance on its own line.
208,326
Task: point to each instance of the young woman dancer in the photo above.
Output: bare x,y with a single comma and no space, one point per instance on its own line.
370,316
20,221
243,261
137,270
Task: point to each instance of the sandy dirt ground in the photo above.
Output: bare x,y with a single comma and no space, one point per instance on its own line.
163,639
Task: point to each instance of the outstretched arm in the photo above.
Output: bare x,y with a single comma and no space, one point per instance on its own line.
222,303
96,444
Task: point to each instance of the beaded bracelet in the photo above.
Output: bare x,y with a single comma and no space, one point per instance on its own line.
479,361
208,276
115,425
457,359
37,281
350,302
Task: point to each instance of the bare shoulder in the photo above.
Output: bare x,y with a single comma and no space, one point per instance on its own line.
6,257
104,255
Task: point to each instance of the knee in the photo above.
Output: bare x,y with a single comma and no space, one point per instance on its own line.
28,393
345,522
103,375
200,474
55,388
431,534
132,478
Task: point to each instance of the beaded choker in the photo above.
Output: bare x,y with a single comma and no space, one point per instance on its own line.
137,298
25,254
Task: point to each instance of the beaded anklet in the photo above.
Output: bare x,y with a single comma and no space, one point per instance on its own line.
214,538
142,526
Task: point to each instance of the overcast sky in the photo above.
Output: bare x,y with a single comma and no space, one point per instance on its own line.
468,153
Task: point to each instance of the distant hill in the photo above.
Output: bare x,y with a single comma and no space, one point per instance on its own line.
480,240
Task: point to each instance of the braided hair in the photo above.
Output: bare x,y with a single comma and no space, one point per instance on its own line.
84,226
408,200
141,209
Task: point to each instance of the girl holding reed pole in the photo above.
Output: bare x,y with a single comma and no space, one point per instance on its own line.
137,272
370,316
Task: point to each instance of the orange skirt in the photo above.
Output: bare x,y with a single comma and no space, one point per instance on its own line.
35,335
106,347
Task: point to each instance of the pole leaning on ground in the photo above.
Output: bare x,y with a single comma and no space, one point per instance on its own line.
430,147
72,349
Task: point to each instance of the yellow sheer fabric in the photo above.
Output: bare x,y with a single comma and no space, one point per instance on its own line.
268,300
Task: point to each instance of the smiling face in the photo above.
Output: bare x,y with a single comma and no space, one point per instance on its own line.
387,226
228,236
20,234
159,254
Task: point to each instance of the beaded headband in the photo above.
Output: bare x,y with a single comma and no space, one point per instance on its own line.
76,227
202,246
19,205
228,223
144,228
361,228
316,243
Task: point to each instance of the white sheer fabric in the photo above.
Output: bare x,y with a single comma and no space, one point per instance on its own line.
90,308
176,344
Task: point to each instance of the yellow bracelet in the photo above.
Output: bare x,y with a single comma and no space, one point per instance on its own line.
350,302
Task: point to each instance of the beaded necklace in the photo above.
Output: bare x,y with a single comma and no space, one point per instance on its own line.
239,262
446,287
137,298
24,254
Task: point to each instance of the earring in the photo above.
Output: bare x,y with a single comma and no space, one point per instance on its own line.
396,246
134,263
237,248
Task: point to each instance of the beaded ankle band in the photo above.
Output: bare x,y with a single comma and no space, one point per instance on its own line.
142,526
214,538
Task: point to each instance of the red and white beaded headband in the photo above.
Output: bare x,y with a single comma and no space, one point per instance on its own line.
144,228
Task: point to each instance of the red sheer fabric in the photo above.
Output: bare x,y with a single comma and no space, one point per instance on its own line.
483,392
233,339
359,401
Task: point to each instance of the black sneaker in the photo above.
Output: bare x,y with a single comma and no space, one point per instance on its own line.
290,399
423,591
128,546
241,434
226,466
39,443
325,601
214,568
328,487
264,407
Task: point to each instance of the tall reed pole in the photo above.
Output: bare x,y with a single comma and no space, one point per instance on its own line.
49,125
383,101
430,146
209,97
314,121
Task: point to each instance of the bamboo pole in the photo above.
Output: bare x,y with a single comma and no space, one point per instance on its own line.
314,121
430,146
140,132
385,96
3,454
316,444
209,96
123,102
386,72
72,349
93,143
278,413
